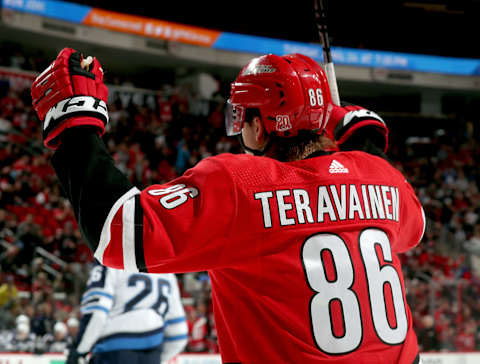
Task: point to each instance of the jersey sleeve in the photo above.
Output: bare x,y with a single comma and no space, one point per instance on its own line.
411,219
176,227
176,329
89,179
96,303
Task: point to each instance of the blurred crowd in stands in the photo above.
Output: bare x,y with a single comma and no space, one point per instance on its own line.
45,262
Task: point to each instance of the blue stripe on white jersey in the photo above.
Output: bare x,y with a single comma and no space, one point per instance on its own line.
175,320
130,341
96,293
87,309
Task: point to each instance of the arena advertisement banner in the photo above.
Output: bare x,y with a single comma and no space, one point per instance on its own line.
170,31
150,27
351,56
62,10
119,22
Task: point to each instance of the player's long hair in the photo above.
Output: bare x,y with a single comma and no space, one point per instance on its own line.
299,147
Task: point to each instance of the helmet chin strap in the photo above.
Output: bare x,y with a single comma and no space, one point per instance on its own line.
257,152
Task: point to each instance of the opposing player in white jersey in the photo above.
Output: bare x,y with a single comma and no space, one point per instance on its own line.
130,318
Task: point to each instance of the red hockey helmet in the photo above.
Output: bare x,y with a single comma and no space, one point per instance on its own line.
291,93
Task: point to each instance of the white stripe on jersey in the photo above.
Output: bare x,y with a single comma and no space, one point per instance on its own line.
176,327
128,236
424,220
105,234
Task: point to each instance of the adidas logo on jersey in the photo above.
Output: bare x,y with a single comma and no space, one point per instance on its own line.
337,167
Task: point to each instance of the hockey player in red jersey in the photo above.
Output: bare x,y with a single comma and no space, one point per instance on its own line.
300,239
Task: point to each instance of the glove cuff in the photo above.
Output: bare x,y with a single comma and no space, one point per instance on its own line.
52,140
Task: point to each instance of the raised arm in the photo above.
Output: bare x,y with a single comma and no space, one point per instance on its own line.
162,227
70,98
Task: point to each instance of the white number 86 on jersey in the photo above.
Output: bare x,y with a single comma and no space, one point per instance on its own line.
175,195
340,289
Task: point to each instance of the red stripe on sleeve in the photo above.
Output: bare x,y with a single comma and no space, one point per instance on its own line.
113,255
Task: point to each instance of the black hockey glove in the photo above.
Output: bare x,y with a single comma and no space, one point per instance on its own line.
356,128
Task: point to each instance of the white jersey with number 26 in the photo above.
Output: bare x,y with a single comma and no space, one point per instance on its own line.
131,311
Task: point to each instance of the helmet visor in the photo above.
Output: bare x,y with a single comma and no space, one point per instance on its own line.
234,118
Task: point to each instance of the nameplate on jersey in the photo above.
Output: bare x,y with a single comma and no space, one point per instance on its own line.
332,203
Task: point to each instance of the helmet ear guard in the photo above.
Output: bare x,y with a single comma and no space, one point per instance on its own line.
234,118
247,95
291,93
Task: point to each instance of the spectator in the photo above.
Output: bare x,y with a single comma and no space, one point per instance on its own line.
59,341
472,246
43,321
5,336
183,157
73,327
21,340
8,293
197,329
42,284
429,340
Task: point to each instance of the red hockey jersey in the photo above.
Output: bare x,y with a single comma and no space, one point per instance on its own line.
302,255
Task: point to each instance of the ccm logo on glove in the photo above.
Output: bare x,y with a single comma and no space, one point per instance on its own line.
359,114
74,106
